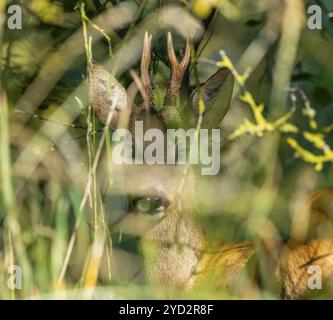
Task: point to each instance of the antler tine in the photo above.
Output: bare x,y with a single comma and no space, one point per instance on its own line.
177,69
145,77
171,52
187,56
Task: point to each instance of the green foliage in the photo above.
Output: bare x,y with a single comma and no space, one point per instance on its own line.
70,237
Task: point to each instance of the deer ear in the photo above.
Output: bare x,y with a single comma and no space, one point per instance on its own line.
106,94
216,93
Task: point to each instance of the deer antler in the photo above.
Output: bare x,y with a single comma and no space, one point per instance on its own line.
177,70
146,91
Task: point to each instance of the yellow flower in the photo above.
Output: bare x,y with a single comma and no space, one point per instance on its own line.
201,106
202,8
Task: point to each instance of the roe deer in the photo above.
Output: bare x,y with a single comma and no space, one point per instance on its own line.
177,251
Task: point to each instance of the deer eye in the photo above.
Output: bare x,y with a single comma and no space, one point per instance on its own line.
150,205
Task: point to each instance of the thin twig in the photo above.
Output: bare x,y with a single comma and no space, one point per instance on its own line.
36,116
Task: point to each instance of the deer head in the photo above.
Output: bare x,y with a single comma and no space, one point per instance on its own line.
173,241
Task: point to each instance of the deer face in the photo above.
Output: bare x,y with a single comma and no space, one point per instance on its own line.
172,240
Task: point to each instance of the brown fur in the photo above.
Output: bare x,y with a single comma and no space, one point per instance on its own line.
177,251
293,272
